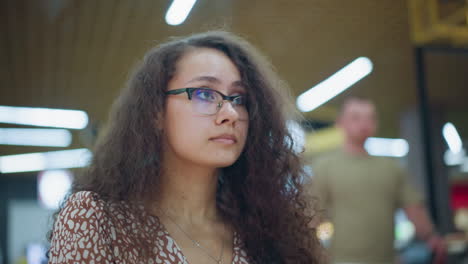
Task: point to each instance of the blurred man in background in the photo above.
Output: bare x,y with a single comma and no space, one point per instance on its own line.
361,193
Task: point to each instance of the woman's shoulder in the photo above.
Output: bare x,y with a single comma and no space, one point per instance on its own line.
122,214
84,196
84,200
81,230
82,206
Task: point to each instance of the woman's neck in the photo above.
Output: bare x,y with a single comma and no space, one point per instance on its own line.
188,194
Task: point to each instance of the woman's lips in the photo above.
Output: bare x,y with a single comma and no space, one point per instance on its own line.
225,139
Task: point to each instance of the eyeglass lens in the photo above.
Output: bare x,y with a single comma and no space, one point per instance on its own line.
208,102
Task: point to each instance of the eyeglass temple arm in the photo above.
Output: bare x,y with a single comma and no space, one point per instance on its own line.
176,91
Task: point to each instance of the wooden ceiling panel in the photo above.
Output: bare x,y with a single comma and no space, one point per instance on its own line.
65,37
137,31
6,60
87,14
34,54
108,73
49,68
15,27
100,34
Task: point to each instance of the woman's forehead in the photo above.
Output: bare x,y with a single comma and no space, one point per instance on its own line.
206,66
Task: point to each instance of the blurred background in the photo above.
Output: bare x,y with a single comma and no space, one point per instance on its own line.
411,56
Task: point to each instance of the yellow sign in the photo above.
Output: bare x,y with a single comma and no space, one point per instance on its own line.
438,22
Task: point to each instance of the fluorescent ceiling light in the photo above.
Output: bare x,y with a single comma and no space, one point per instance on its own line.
63,159
179,11
390,147
47,117
44,137
452,137
334,85
53,185
454,158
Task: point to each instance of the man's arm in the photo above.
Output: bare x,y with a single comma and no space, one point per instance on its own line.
412,203
425,230
418,215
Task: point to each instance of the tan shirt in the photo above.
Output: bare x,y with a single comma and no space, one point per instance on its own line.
87,233
360,195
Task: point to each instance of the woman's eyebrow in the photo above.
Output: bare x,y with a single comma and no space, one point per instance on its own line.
215,80
210,79
238,84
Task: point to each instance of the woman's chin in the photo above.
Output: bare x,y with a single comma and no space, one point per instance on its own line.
224,162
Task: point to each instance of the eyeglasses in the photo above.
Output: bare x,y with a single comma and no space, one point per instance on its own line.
207,101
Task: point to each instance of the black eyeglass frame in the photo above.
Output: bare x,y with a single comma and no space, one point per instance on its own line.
190,90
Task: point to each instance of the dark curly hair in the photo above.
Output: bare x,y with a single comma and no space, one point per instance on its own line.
260,194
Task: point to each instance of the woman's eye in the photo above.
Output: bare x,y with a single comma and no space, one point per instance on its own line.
240,100
206,95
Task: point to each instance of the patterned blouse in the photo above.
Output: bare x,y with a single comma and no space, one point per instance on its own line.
89,230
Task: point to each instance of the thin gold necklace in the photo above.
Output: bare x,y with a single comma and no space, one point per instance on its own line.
196,243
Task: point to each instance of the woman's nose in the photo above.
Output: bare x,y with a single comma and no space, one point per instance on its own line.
226,112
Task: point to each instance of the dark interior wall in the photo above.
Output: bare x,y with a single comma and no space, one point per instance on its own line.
18,187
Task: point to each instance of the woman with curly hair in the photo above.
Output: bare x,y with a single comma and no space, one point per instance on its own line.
196,166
